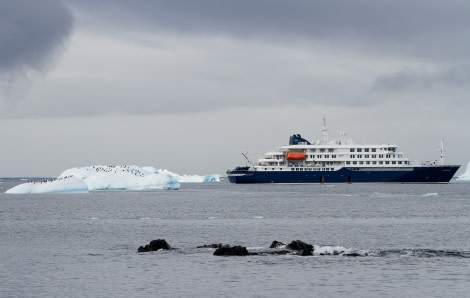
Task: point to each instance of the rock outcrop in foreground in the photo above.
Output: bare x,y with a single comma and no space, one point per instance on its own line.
155,245
296,247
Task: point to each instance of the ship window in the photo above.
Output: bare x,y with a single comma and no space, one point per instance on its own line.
331,150
354,162
394,162
359,149
353,156
381,156
273,169
327,156
366,150
374,150
322,150
387,162
333,156
313,150
359,156
381,162
374,162
351,150
374,156
366,156
348,162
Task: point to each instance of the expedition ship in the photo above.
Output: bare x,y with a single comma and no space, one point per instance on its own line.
340,161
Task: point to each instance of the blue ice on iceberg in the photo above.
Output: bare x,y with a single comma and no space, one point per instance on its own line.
101,177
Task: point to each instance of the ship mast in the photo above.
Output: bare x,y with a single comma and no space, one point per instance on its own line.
324,131
441,151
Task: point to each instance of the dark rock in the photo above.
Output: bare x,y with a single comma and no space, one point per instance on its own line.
155,245
355,254
306,252
159,244
276,244
231,251
299,245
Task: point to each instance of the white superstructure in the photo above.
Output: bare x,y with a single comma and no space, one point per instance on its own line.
332,155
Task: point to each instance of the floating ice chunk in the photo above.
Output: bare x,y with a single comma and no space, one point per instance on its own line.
193,178
339,250
64,185
465,176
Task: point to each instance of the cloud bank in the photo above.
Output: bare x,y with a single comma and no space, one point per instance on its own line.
32,34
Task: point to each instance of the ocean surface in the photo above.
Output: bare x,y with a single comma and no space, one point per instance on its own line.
412,241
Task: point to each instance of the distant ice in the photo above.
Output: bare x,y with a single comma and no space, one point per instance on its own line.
194,178
101,177
465,176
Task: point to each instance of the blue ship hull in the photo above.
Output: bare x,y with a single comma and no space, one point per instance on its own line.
424,174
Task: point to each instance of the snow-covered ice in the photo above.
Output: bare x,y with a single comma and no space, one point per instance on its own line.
65,185
101,177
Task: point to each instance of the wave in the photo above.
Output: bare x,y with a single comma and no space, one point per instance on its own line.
423,253
340,251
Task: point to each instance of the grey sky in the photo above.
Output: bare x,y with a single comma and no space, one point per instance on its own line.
194,83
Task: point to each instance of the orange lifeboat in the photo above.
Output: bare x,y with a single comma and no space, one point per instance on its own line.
295,156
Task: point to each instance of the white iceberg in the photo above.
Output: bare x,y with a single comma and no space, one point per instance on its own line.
465,176
65,185
101,177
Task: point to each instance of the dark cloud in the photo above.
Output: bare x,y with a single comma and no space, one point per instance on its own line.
31,35
420,27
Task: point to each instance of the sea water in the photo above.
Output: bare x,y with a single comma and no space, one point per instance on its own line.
413,240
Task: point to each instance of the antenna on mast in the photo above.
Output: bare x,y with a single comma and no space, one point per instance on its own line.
441,151
324,131
246,157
